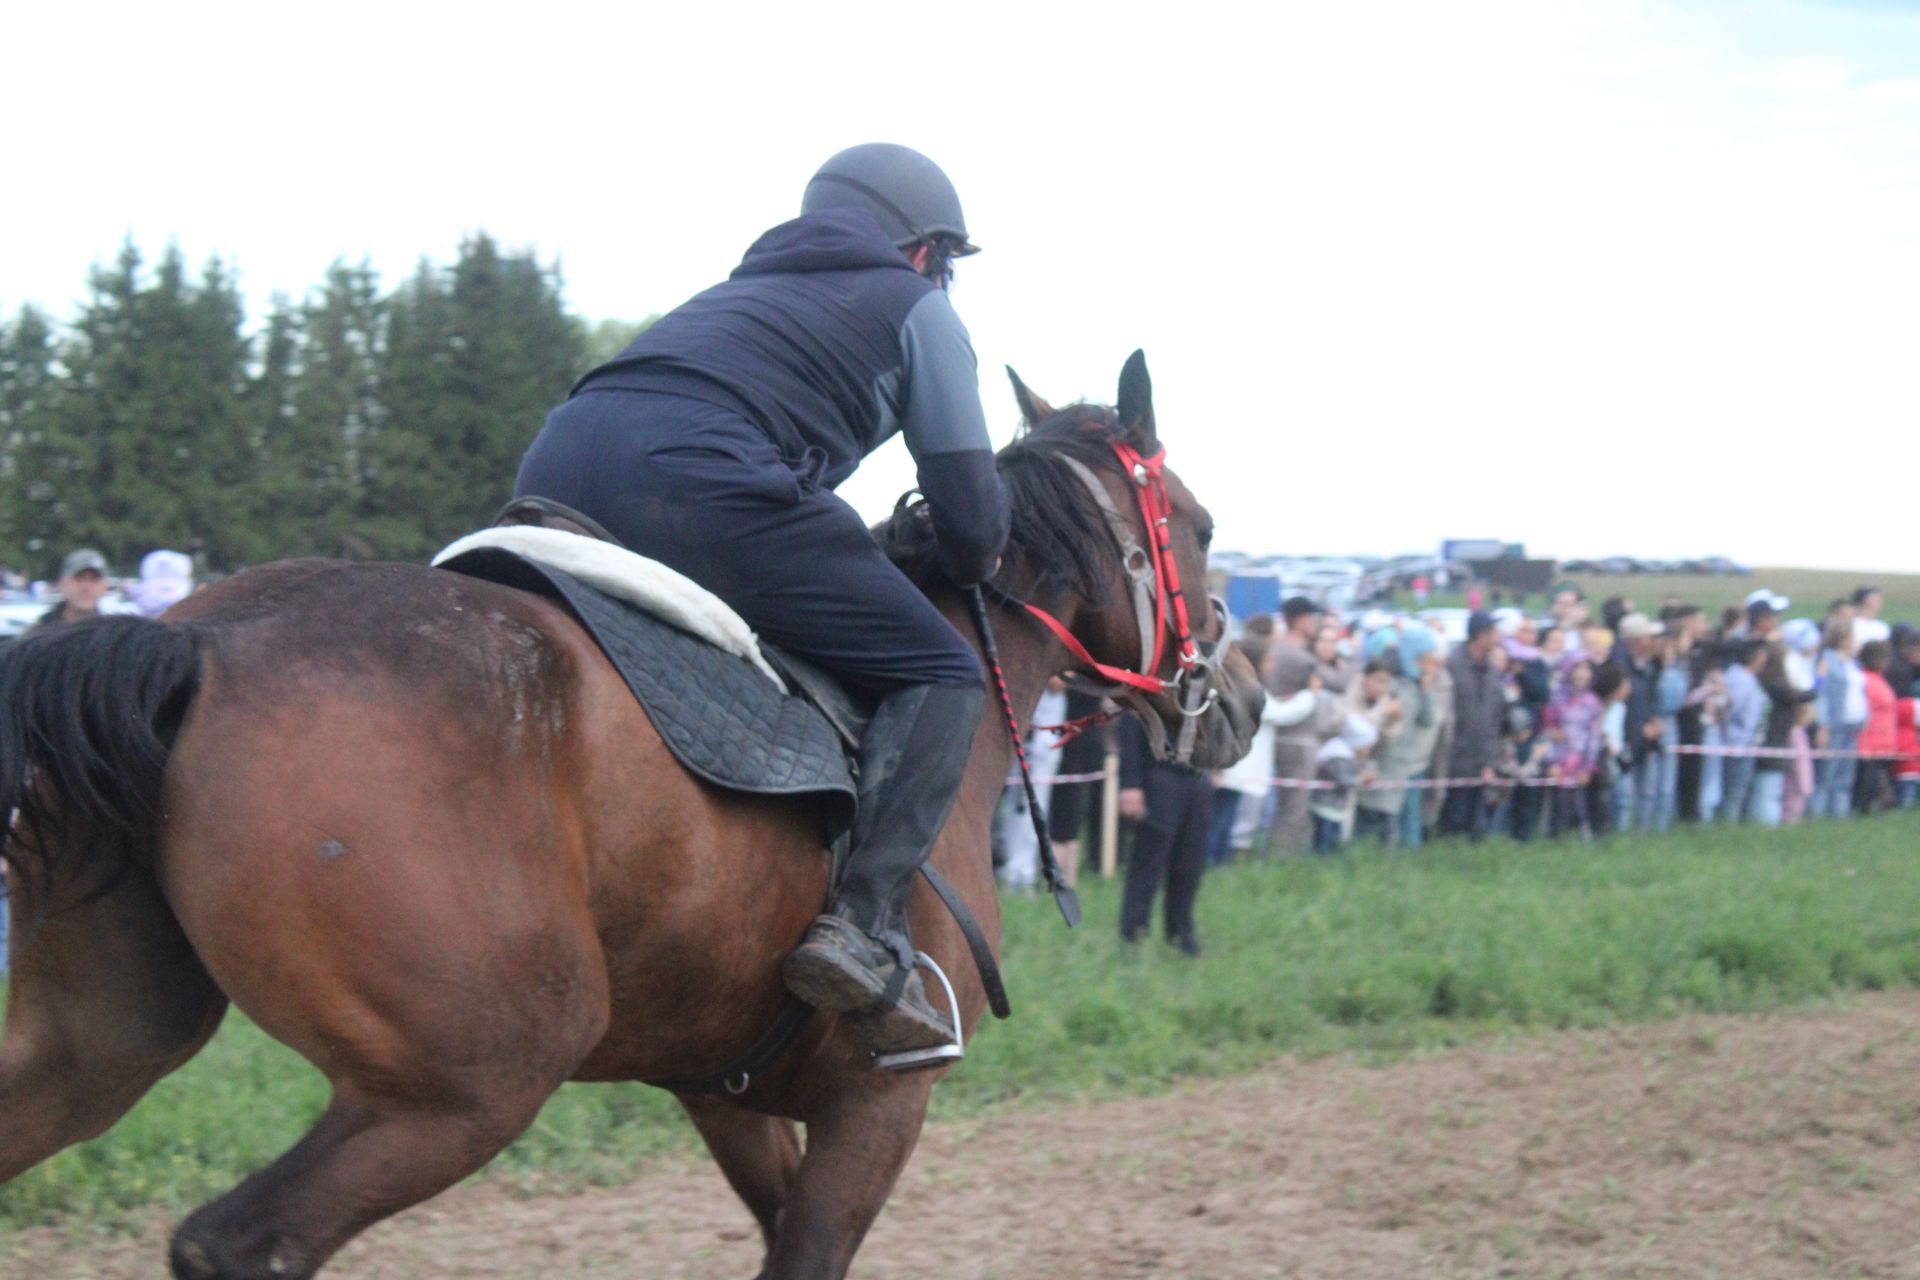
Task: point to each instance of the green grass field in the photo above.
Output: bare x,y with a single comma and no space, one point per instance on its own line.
1378,953
1809,589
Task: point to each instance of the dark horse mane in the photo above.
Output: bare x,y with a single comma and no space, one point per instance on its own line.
1057,530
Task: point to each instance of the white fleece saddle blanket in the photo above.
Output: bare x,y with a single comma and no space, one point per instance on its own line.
672,597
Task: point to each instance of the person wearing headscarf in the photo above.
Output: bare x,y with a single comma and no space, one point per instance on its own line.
1407,756
1338,767
166,578
1842,715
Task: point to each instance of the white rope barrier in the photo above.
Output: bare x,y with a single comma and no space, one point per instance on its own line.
1429,784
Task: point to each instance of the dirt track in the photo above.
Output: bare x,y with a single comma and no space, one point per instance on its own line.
1756,1148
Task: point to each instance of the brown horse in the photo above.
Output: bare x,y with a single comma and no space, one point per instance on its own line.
415,825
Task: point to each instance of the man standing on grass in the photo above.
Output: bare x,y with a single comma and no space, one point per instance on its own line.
1479,714
1170,807
1638,796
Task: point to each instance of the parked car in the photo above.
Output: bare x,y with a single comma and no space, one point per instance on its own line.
18,611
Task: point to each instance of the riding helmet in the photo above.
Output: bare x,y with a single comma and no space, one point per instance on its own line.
912,198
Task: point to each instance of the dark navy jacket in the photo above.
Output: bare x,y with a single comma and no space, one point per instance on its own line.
826,339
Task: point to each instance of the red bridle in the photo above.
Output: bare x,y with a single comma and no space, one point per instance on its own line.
1169,601
1190,686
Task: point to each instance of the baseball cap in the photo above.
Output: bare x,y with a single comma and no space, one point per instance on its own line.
1479,623
1638,626
1761,595
78,562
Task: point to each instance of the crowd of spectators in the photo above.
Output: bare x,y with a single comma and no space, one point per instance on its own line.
1572,725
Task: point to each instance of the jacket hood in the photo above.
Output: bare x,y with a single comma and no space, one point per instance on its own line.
830,240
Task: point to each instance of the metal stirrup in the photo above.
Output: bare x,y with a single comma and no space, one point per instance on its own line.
913,1059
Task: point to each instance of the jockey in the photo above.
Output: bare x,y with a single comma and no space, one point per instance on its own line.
713,444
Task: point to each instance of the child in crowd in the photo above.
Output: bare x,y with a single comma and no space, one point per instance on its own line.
1874,788
1524,757
1843,714
1611,687
1376,699
1742,725
1339,763
1573,731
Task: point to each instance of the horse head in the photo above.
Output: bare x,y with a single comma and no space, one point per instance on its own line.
1109,549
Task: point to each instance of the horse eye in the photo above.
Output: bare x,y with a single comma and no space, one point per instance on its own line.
1206,537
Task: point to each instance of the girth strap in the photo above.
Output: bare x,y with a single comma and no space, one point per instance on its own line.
738,1074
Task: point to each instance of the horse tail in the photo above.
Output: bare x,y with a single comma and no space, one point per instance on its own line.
88,716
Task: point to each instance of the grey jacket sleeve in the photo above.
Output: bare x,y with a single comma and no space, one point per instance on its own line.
946,432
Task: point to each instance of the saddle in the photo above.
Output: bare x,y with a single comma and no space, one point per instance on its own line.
735,712
848,710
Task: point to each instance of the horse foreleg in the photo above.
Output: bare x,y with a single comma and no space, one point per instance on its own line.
856,1148
759,1154
103,1000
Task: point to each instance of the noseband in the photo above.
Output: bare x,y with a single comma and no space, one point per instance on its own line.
1160,605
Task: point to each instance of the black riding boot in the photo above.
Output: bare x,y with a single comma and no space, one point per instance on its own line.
857,958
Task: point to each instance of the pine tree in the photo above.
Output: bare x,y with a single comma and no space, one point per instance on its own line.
149,444
30,386
475,358
337,409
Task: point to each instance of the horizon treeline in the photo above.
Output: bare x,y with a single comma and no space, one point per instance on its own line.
357,422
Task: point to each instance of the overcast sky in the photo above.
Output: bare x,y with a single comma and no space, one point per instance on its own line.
1605,277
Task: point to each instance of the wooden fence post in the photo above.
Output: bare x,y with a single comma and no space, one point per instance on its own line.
1110,809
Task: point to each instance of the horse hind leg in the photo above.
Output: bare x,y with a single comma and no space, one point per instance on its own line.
365,1159
442,1020
759,1154
104,999
411,1115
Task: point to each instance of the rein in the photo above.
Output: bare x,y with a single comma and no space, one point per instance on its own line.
1063,895
1160,606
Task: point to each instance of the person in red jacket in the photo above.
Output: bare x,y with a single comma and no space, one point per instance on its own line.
1873,788
1906,732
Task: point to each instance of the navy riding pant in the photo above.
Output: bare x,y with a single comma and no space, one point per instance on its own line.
701,490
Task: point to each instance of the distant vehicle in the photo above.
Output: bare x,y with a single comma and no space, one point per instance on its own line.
1720,564
1334,584
18,611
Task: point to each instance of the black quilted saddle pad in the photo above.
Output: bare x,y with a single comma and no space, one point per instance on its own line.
719,714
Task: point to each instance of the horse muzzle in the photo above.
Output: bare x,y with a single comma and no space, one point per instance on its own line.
1209,723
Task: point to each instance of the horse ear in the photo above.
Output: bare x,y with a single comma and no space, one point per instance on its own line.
1033,410
1135,404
